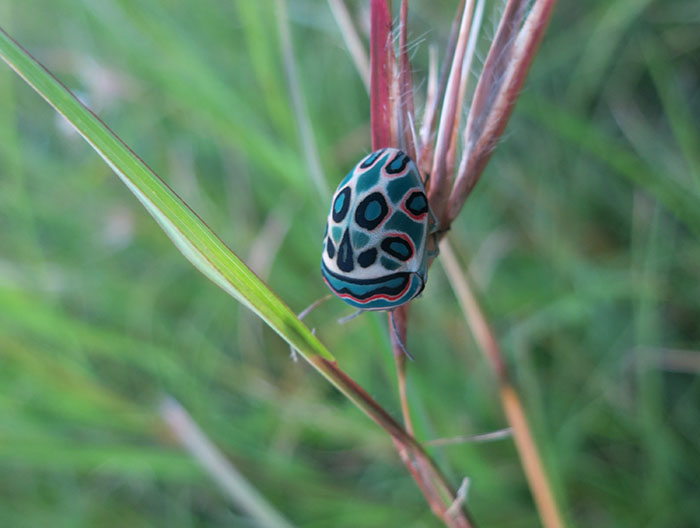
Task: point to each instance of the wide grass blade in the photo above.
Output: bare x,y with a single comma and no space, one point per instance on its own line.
187,231
200,245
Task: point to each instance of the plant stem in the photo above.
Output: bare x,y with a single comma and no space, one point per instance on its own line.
407,446
524,441
387,109
237,488
351,38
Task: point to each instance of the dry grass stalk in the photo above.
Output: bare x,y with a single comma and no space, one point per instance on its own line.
440,180
512,405
504,73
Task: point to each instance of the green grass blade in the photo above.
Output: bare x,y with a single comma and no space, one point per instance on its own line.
187,231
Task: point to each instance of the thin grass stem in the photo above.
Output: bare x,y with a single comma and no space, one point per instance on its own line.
441,180
531,461
405,98
352,39
313,160
503,75
218,467
501,434
464,81
431,107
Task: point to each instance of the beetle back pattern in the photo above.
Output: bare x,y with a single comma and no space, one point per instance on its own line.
375,247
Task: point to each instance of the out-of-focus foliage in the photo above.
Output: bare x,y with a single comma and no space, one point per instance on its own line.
581,237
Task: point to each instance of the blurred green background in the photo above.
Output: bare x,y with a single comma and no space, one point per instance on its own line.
581,240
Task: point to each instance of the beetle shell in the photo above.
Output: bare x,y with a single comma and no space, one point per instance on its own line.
375,246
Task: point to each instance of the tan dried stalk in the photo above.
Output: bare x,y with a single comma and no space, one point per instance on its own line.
524,440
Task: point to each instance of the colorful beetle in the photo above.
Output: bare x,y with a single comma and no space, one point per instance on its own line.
375,246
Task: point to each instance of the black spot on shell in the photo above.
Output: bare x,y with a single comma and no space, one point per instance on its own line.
371,159
345,254
367,258
330,248
398,248
341,205
371,211
397,164
417,203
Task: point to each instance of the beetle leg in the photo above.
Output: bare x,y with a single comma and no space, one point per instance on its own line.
396,337
350,317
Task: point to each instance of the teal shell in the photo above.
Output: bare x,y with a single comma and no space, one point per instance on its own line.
375,246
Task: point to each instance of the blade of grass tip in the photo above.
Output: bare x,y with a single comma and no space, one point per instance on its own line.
530,458
219,468
441,181
464,81
405,100
431,106
352,39
311,156
381,61
495,100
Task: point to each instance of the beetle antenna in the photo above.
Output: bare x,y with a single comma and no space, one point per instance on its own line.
396,337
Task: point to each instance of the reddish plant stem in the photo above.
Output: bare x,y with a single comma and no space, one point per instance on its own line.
400,322
505,70
409,448
381,75
388,109
431,110
441,180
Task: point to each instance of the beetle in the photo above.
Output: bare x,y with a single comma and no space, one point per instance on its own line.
375,254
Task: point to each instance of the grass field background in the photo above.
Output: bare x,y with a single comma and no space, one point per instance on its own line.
581,240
